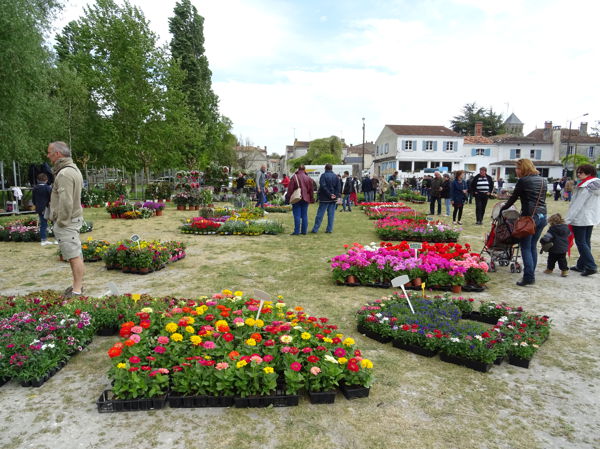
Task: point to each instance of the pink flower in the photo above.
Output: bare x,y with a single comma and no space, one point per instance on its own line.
268,358
137,329
221,366
159,350
163,340
209,345
339,352
135,338
296,366
134,359
315,370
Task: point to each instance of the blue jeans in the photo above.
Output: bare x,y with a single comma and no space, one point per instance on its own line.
261,199
300,212
346,202
583,236
369,196
447,201
330,208
43,227
529,251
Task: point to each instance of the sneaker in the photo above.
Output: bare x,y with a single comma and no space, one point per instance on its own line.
459,222
454,223
564,273
549,271
45,242
579,270
587,272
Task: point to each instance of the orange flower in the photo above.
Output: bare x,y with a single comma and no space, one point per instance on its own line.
129,342
256,336
233,355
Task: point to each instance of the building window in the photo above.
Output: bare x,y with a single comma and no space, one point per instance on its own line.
408,145
387,148
591,152
535,154
480,152
515,153
569,150
429,145
420,165
449,146
405,166
544,172
377,150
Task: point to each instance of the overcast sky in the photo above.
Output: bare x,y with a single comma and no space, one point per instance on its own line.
311,69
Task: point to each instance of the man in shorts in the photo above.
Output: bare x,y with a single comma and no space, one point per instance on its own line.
66,212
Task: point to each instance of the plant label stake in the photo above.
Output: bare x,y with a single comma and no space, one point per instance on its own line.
136,238
416,247
423,288
399,281
112,289
263,296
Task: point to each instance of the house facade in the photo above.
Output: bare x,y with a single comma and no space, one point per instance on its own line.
353,155
412,148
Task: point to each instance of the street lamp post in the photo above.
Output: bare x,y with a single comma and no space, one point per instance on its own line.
569,141
363,147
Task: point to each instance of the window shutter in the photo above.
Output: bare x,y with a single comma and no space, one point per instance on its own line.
435,145
513,154
404,145
473,151
488,152
424,145
538,154
414,145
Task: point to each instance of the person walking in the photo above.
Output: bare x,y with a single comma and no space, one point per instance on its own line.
374,188
558,236
328,193
66,212
458,196
300,209
583,215
260,179
347,190
482,186
531,190
556,188
436,192
41,199
240,182
367,188
445,194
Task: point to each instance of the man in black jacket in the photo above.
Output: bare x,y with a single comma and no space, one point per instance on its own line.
481,188
329,192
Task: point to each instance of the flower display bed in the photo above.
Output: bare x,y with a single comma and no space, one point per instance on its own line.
141,257
439,266
123,209
419,230
231,222
215,347
107,403
277,209
27,230
438,326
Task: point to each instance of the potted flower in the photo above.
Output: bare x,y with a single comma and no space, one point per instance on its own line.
357,378
456,282
181,200
416,275
322,378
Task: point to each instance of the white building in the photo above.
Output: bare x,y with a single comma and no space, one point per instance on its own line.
411,148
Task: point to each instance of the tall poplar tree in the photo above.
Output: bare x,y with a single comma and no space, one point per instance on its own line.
187,48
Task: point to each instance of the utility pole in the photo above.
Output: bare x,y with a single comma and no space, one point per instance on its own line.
363,147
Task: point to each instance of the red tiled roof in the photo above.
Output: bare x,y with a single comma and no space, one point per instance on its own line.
478,140
564,136
509,138
422,130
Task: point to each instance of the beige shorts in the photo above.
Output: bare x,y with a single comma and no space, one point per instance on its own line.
68,239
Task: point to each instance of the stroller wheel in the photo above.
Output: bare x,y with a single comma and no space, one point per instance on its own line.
512,267
518,267
492,266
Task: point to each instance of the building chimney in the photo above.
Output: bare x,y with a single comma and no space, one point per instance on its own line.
547,131
547,125
479,129
583,129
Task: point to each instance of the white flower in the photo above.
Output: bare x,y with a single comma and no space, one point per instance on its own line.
331,359
455,340
478,337
524,343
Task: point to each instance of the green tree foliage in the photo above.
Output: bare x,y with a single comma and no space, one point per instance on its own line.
465,124
327,150
187,48
28,116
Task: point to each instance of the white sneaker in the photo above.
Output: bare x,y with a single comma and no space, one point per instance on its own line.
55,242
45,242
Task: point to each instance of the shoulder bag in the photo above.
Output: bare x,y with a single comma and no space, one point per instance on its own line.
525,226
297,193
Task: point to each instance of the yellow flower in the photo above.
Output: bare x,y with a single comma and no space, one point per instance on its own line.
121,365
268,369
89,239
259,323
286,338
366,363
280,305
328,340
201,310
227,292
348,341
342,360
249,321
279,297
238,293
171,327
220,323
251,342
190,330
136,297
339,335
190,320
241,364
305,336
147,310
196,339
176,336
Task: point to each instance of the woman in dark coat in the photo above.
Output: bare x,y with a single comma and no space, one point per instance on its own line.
458,196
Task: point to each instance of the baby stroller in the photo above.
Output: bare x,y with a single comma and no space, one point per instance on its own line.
502,248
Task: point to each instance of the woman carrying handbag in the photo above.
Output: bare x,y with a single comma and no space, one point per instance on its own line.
531,190
300,181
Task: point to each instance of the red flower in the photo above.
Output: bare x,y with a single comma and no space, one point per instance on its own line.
134,359
228,336
145,324
114,352
296,366
353,367
134,368
313,359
